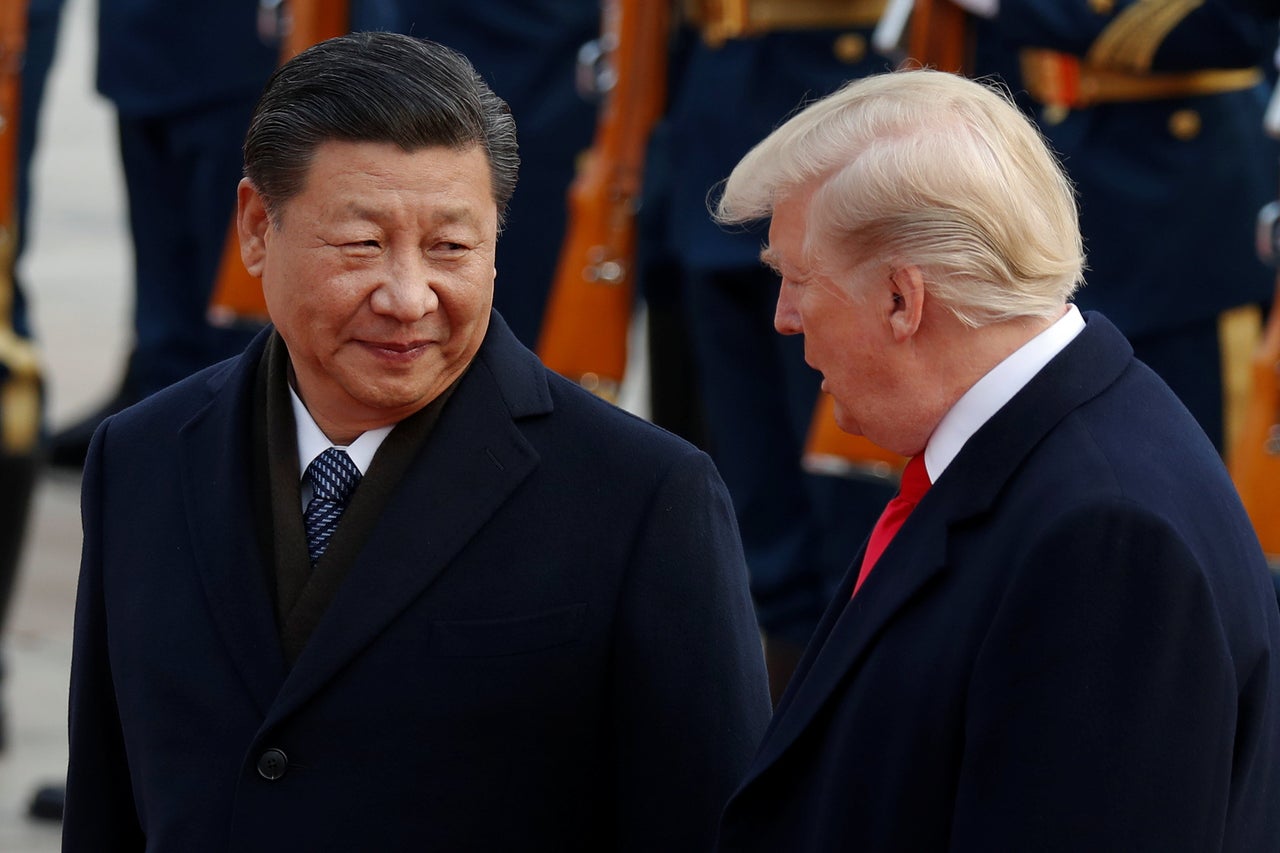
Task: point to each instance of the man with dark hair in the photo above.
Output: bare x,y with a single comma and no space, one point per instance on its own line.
383,582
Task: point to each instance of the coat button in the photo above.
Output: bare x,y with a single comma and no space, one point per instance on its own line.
272,764
1055,114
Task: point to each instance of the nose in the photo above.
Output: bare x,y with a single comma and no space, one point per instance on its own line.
406,292
786,319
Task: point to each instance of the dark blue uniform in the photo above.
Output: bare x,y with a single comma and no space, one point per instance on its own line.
758,396
527,53
1169,187
42,37
184,78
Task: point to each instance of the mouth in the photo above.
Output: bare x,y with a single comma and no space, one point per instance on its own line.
397,350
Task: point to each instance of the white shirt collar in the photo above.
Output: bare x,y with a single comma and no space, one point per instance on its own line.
312,441
989,394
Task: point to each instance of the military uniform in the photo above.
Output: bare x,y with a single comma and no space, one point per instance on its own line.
42,37
184,79
19,452
1155,107
730,89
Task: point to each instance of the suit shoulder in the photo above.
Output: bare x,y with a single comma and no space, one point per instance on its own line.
612,422
170,407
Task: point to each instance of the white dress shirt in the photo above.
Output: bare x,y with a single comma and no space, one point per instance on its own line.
312,442
996,388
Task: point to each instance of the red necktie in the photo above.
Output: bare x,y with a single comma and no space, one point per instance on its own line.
915,482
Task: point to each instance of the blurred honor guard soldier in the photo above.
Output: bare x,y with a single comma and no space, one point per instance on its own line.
530,628
1156,108
751,65
526,50
183,78
1070,644
28,35
1269,8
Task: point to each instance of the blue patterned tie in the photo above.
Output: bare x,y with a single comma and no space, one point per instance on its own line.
333,476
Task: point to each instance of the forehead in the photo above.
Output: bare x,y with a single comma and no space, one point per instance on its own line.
339,168
787,231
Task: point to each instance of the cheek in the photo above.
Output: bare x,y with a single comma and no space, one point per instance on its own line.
821,328
467,300
848,355
323,318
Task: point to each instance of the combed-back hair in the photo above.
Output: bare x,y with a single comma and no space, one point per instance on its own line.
375,87
926,168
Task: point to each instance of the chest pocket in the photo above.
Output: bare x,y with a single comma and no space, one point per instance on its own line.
496,637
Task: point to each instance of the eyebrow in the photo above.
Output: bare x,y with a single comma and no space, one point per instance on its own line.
450,215
769,258
441,216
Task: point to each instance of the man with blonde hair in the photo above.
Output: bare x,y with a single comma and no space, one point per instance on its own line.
1068,639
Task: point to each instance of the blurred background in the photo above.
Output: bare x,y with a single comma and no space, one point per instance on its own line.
77,259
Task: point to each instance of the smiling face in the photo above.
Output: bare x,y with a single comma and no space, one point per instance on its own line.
378,275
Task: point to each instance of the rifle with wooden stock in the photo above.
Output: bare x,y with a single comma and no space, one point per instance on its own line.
1253,453
938,37
588,314
20,383
297,25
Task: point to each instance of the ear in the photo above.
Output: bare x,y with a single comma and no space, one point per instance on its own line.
907,285
252,224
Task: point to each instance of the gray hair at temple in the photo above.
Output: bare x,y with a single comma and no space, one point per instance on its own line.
931,169
375,87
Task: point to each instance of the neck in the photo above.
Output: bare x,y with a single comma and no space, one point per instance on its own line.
957,356
989,345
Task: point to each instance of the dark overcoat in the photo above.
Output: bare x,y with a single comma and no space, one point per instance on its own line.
545,643
1071,644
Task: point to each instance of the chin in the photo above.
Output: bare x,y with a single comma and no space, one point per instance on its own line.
845,420
399,400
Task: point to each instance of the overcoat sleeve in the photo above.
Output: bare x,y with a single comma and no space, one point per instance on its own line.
100,814
1070,745
690,691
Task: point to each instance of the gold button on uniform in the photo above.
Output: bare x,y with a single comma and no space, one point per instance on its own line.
1103,7
850,48
1055,114
1185,124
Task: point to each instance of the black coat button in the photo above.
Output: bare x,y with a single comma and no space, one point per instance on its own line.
272,764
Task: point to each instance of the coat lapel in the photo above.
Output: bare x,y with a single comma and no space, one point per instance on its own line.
967,488
220,515
473,461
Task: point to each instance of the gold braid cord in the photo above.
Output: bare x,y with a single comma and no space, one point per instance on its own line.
1130,41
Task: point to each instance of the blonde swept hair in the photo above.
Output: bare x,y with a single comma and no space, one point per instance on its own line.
926,168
